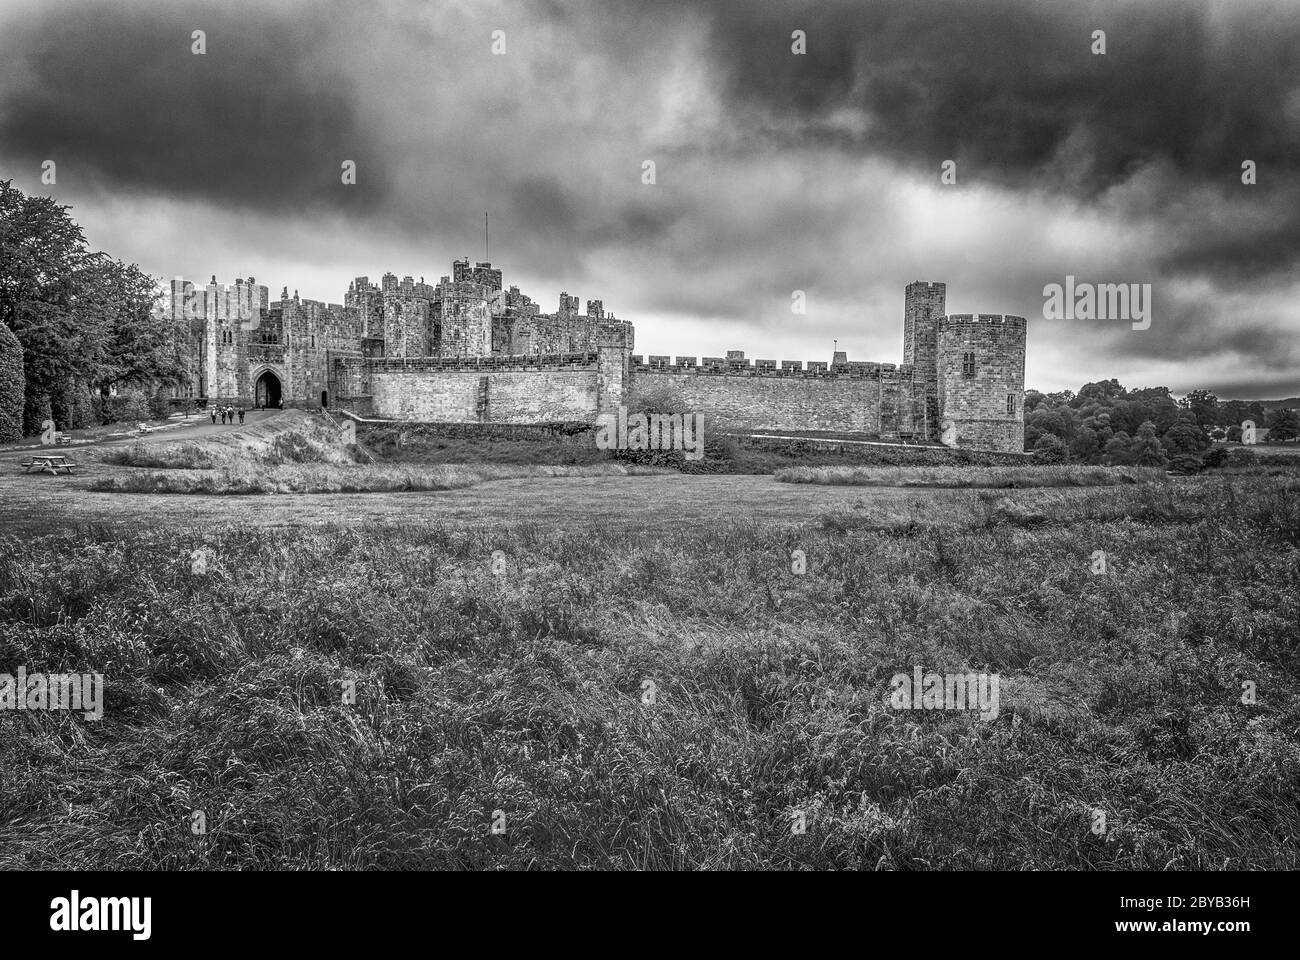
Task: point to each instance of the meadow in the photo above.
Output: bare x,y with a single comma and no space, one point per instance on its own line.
610,697
1028,475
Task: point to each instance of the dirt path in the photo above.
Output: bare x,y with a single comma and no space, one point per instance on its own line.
193,429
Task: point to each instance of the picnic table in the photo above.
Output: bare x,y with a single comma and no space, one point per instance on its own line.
48,463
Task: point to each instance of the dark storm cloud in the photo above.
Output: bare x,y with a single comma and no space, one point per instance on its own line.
114,92
775,172
1011,90
1007,84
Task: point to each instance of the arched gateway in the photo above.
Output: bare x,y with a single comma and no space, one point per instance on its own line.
267,390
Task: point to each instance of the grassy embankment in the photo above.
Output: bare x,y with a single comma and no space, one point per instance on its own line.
302,455
521,691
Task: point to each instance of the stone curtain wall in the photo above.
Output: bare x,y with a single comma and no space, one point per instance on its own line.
872,399
499,390
978,405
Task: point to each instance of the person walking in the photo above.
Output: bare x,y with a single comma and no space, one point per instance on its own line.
213,412
241,414
230,412
223,415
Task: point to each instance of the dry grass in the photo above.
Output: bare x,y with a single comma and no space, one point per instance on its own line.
518,686
355,478
1071,475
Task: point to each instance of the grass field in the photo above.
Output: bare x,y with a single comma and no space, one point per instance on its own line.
1030,475
514,688
353,478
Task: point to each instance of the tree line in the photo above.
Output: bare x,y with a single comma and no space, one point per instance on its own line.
1106,423
80,341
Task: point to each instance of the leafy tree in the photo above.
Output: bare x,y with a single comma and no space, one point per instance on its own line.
41,250
1104,392
1119,448
1086,445
12,383
1145,450
1050,449
1283,425
138,343
1204,406
1232,412
1155,404
1234,434
1056,420
85,321
1184,438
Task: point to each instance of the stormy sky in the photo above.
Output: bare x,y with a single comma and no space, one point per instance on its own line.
774,172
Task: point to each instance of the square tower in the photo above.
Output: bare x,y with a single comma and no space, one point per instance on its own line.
924,303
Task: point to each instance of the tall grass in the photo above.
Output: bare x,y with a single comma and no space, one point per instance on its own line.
1067,475
330,478
516,682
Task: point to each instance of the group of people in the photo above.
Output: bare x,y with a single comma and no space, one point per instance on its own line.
227,414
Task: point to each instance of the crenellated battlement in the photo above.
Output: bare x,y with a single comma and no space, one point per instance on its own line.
786,369
551,361
960,319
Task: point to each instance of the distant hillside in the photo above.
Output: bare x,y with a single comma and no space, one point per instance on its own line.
1289,403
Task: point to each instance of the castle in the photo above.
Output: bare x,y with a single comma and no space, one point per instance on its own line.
468,351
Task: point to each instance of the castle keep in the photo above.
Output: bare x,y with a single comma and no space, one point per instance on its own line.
466,350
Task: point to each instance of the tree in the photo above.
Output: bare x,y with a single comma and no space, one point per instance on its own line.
85,321
1103,392
1204,406
1086,445
1233,412
41,249
1119,448
1184,438
138,344
12,384
1234,434
1047,418
1145,449
1283,425
1050,449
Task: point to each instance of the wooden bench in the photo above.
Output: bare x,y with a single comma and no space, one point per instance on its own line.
48,463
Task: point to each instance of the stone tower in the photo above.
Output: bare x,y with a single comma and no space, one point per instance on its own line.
923,305
982,380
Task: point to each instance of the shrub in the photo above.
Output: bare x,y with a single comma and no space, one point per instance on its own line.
129,406
1050,449
1214,458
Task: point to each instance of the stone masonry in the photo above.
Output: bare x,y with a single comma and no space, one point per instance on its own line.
469,350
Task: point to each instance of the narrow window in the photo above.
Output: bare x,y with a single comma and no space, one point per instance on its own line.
968,364
1011,403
